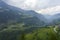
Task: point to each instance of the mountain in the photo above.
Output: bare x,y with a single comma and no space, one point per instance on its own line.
36,18
56,16
6,13
52,19
56,19
10,14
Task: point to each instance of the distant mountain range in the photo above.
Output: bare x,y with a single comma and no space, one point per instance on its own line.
53,19
56,19
11,14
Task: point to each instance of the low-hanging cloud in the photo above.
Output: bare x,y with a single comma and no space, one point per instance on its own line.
51,10
28,4
44,6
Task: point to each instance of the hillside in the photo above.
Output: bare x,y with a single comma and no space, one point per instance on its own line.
37,34
10,15
19,24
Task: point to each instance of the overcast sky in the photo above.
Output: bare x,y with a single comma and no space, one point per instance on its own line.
41,6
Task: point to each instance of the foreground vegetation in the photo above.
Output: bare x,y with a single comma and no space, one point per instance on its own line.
28,33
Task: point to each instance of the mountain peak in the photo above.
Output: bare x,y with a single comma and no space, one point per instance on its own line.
3,4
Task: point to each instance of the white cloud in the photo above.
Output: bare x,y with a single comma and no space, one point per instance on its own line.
28,4
50,10
44,6
33,4
14,0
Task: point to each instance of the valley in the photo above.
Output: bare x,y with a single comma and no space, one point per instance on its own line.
19,24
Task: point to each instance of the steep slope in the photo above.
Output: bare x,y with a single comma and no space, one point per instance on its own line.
56,18
53,19
10,14
6,13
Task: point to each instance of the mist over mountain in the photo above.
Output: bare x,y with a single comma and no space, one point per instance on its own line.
20,24
13,14
10,14
56,19
53,19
